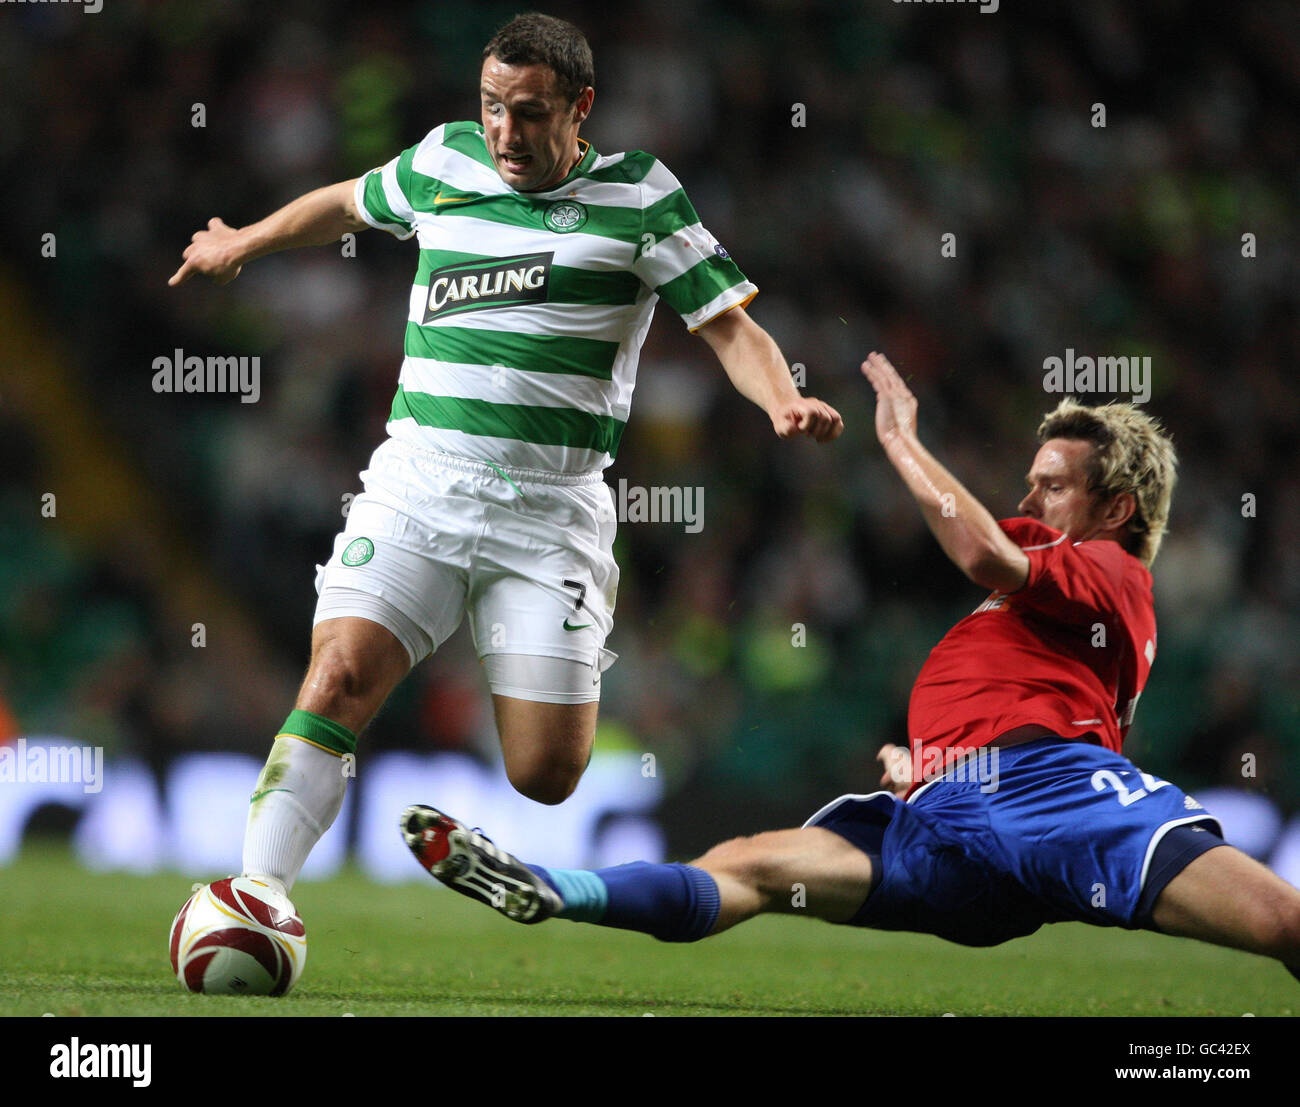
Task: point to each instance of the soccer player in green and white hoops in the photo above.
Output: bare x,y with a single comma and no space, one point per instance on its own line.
540,265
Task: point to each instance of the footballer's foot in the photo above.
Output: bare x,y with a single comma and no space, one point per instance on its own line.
463,859
271,882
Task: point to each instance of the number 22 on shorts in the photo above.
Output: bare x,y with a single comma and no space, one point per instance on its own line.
1103,778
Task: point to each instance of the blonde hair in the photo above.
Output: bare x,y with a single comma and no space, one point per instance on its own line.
1131,453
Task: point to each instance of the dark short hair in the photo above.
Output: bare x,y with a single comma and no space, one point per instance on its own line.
533,38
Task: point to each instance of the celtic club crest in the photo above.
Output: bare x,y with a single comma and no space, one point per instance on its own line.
359,551
564,216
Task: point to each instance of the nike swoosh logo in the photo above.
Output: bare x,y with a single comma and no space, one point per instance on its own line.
440,199
584,626
258,795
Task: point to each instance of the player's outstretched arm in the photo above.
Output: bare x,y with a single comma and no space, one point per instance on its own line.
318,218
969,535
759,372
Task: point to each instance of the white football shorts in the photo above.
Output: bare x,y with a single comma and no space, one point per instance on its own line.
528,554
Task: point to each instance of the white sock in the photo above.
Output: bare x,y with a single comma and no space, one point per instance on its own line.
297,797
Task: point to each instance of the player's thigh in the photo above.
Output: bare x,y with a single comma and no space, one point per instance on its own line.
540,603
811,871
546,746
543,580
1228,898
544,671
402,559
541,643
535,727
386,600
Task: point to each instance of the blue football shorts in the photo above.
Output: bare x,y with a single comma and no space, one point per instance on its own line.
1061,830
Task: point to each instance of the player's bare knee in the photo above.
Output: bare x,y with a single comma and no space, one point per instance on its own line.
772,877
726,856
551,791
546,781
1277,927
743,860
334,682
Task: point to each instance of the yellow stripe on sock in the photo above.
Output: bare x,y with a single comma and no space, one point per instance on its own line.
309,742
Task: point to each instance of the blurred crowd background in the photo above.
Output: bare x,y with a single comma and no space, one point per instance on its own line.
919,120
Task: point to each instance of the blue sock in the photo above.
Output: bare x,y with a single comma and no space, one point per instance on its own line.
583,892
674,903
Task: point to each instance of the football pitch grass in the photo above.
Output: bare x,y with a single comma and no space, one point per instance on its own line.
95,944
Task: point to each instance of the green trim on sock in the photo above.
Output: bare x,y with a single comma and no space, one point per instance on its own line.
324,732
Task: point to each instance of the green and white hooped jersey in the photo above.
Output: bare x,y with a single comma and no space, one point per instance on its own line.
529,308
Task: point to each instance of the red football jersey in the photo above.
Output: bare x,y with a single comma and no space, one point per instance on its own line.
1070,651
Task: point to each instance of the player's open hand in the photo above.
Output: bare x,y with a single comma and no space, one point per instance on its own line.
895,404
211,253
810,416
897,764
